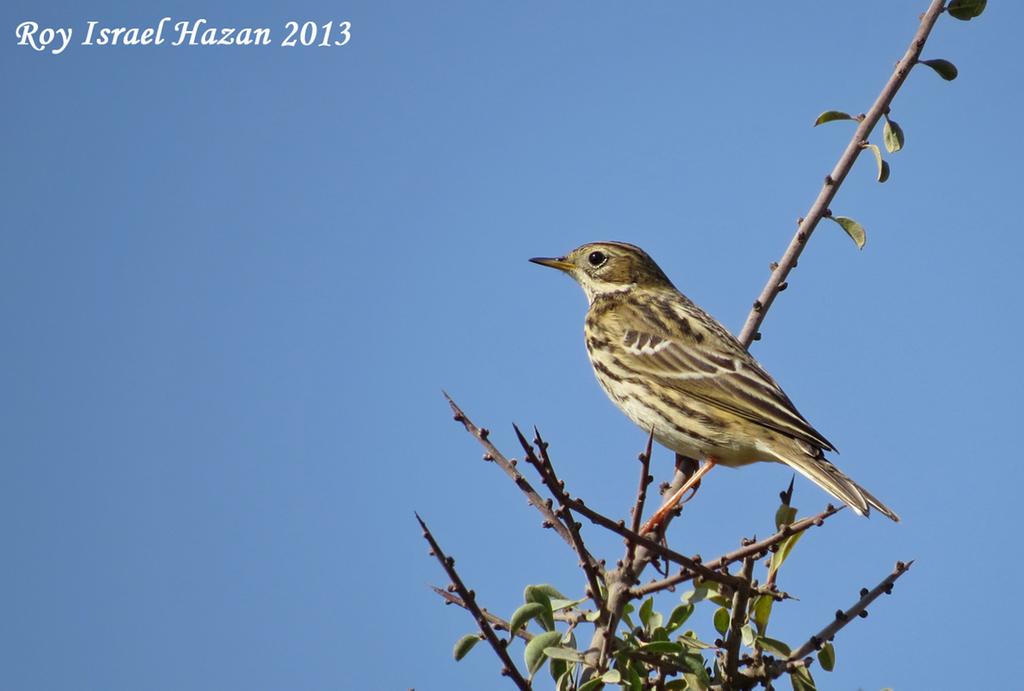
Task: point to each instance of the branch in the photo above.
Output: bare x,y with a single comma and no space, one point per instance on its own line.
496,621
535,500
819,209
859,608
641,493
469,602
737,618
755,549
591,568
546,473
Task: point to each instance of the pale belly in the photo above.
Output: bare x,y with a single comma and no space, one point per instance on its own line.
685,435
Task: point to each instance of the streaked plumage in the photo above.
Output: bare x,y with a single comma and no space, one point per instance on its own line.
672,367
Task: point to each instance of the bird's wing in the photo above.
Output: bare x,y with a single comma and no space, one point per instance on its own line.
689,351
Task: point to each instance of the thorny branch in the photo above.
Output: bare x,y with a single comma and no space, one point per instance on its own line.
497,622
738,617
756,549
469,599
481,434
620,583
546,471
859,609
641,492
819,209
591,568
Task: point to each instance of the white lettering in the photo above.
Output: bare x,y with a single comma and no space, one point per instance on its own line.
28,34
188,31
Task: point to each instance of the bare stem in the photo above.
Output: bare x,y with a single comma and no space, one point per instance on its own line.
754,549
738,617
859,609
819,209
509,467
469,599
592,569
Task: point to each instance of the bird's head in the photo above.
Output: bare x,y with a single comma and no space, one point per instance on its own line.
608,267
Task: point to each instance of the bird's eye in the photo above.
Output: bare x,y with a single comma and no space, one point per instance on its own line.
597,258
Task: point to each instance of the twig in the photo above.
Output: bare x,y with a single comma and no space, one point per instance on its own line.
496,621
538,502
618,583
591,568
755,549
641,493
859,608
544,469
737,618
469,599
819,209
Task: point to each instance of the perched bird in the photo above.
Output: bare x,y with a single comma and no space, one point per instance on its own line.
672,368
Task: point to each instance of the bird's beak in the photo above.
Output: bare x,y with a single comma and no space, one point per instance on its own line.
559,264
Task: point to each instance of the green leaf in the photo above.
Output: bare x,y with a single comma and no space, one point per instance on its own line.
612,676
559,670
783,552
770,645
853,229
566,677
827,657
534,653
633,678
695,663
465,644
592,685
966,10
646,608
558,604
690,639
747,635
524,614
549,590
626,611
662,647
944,68
679,616
721,620
892,133
801,680
693,596
883,166
534,593
557,652
830,115
762,610
784,516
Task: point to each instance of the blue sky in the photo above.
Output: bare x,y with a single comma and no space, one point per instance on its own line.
234,282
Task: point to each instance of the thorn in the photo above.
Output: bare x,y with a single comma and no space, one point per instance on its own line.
864,592
773,266
783,286
757,336
841,615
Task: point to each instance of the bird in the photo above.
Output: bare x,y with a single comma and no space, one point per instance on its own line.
679,374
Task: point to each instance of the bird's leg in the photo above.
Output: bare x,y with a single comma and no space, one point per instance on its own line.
659,516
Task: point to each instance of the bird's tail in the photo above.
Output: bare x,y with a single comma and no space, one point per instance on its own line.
824,474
